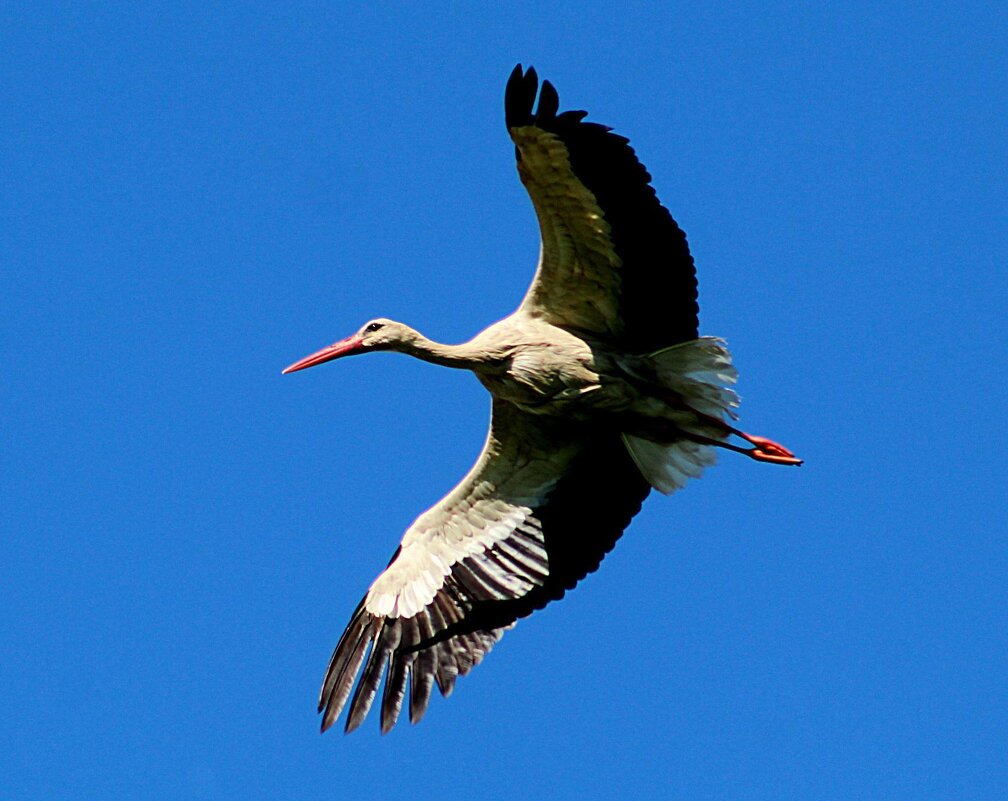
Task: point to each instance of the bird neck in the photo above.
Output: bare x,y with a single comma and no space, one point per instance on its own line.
462,356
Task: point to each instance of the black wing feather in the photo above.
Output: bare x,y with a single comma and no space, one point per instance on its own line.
584,517
658,278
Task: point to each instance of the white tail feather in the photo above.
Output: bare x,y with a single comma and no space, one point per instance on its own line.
668,467
699,372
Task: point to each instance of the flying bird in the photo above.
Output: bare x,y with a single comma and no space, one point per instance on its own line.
601,390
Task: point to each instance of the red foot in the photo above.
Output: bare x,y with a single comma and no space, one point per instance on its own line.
767,450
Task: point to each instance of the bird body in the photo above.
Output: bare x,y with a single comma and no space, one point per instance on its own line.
601,390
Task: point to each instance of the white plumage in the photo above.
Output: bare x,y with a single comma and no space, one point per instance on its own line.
601,390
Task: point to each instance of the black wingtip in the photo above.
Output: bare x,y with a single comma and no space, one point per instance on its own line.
520,107
549,102
519,97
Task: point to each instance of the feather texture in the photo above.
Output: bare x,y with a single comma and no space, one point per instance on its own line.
600,389
614,263
494,573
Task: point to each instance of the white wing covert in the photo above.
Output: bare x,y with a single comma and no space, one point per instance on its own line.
613,261
518,531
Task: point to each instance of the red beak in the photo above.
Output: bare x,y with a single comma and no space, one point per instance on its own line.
345,347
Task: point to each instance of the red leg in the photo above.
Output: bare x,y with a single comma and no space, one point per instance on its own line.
767,450
763,450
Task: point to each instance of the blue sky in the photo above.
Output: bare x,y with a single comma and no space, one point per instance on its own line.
191,199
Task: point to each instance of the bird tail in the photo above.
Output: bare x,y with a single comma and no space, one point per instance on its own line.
698,373
668,467
701,373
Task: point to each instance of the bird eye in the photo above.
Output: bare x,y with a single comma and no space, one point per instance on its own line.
373,327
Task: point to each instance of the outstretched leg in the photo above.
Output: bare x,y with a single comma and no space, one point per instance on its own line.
766,450
763,450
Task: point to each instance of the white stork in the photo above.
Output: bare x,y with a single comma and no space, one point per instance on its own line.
601,390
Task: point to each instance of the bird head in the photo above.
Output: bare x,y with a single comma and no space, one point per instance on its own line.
379,334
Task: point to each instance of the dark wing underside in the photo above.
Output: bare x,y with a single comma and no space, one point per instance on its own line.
520,535
646,298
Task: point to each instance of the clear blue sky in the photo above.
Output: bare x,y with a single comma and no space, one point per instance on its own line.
192,199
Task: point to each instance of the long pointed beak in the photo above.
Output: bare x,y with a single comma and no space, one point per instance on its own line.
345,347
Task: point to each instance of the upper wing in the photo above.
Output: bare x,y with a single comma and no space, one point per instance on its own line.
613,262
537,512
